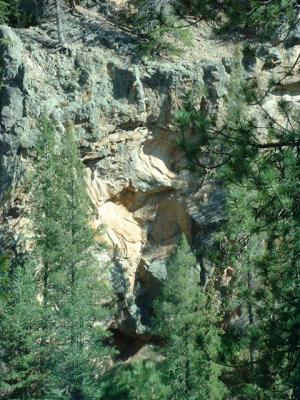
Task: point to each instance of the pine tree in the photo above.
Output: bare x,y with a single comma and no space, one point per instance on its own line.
261,242
72,283
158,20
265,19
264,218
158,28
9,11
185,318
4,288
259,167
144,382
20,322
55,11
17,13
4,11
135,380
53,323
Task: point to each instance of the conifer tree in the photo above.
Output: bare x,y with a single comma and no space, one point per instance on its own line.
263,18
72,282
10,12
52,318
144,382
186,319
4,11
258,164
261,242
136,380
55,11
157,20
20,323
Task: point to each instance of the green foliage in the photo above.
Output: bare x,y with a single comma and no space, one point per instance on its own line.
232,145
265,19
160,23
263,220
144,382
259,166
139,380
163,26
185,317
4,11
72,281
52,322
17,13
21,318
159,30
186,321
4,277
168,39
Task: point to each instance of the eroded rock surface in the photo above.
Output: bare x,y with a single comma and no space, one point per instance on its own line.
145,195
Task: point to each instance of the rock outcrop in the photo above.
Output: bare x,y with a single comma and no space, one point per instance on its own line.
144,194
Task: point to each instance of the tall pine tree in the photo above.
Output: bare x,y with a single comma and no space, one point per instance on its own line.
21,317
258,162
185,317
73,283
53,322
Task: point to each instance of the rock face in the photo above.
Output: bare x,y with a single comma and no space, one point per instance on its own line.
11,102
138,178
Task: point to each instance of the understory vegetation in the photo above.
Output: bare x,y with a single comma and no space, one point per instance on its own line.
235,335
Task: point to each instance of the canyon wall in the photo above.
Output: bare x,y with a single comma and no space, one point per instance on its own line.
145,194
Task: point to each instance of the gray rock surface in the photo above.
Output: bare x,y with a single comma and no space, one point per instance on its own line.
11,105
293,38
10,54
123,113
215,78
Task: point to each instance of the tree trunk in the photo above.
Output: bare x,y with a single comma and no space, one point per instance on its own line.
60,34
